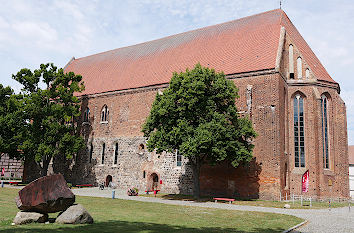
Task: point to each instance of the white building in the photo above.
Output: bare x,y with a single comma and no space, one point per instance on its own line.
351,170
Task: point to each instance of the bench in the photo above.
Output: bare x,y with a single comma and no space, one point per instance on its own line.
149,191
230,200
84,185
14,183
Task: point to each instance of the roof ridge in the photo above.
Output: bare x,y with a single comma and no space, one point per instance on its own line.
193,30
236,46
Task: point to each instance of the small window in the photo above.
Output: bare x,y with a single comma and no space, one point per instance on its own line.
87,115
291,61
91,153
141,147
116,154
103,151
178,159
104,114
299,68
144,174
307,73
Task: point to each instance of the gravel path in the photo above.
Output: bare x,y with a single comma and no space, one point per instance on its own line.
338,220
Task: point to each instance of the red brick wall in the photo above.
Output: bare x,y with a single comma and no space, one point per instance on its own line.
261,178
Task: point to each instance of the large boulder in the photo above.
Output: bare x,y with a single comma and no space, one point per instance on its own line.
29,217
75,214
47,194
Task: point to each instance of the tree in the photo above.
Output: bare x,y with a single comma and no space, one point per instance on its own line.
197,116
11,122
49,114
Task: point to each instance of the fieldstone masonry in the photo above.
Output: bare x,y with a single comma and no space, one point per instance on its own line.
135,166
13,168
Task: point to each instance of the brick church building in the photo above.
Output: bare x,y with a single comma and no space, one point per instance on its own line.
292,101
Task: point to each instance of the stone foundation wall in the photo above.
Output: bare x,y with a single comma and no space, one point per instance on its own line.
135,166
13,168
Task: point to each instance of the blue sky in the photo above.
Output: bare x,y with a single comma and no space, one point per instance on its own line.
35,32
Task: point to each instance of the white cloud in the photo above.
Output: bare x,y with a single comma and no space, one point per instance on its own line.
70,9
41,32
3,24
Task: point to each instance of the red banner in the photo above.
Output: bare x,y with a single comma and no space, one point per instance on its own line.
3,172
305,182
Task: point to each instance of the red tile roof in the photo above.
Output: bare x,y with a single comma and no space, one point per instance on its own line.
351,154
243,45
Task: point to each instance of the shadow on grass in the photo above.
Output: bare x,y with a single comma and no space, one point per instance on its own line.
182,197
123,226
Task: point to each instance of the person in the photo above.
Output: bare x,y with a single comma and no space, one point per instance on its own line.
101,186
112,185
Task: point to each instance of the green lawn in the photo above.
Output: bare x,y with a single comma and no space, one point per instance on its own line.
262,203
132,216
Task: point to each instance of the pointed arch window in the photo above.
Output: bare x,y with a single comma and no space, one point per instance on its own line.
104,114
291,61
307,73
325,142
299,131
103,152
87,114
116,153
299,68
91,153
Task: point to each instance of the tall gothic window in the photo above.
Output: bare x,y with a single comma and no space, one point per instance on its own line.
103,151
116,154
324,112
91,152
86,115
104,114
299,68
291,61
299,136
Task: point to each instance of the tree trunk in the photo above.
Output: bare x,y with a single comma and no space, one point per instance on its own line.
44,168
196,173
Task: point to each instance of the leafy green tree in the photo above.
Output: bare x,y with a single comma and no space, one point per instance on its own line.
197,116
49,112
11,122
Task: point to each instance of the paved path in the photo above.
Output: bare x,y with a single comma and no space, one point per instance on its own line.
338,220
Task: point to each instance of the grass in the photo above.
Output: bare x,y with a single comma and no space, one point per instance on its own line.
132,216
262,203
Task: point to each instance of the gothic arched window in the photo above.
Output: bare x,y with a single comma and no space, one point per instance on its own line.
103,152
325,143
307,73
87,114
91,153
299,131
104,114
291,61
299,68
116,153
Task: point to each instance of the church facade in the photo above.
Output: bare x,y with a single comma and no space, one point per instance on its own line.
292,101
